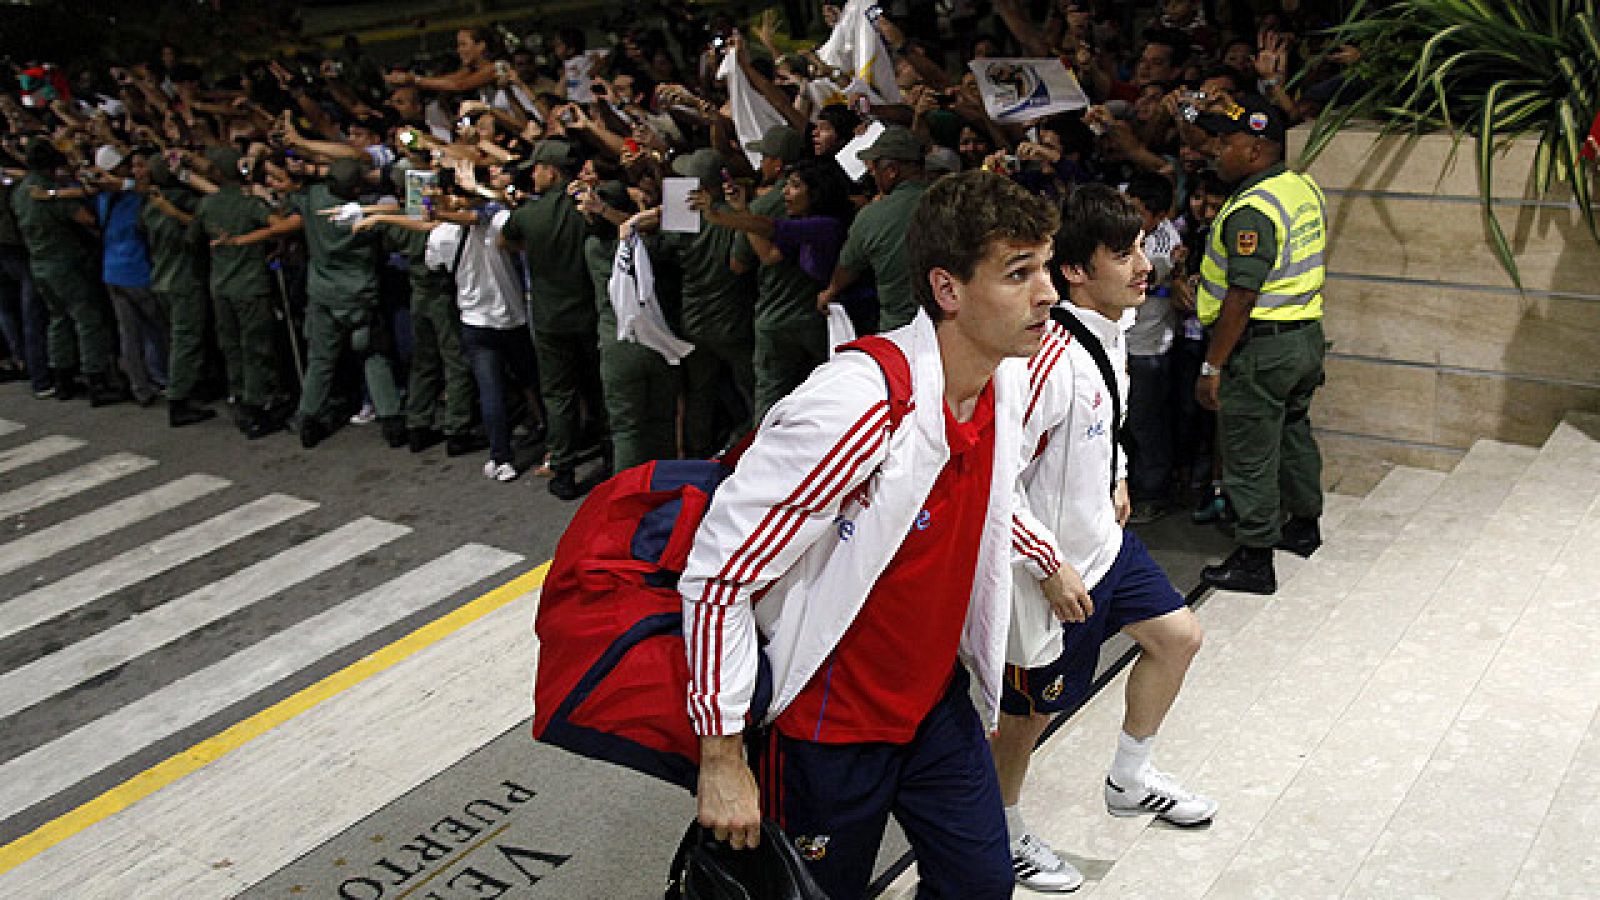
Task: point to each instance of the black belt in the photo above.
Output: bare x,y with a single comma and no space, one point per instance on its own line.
1263,328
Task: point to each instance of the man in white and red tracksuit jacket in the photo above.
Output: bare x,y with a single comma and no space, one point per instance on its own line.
869,565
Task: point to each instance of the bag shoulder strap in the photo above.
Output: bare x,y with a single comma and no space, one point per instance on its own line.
1082,334
896,371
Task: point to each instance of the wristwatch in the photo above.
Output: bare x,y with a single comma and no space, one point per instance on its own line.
1207,370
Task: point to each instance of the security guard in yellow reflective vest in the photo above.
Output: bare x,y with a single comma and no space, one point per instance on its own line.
1260,297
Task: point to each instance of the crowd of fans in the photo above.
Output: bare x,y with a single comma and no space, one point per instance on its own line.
439,246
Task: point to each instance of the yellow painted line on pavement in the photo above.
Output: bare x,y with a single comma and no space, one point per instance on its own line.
214,748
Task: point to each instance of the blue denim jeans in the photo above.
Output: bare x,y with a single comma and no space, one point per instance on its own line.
1149,427
494,353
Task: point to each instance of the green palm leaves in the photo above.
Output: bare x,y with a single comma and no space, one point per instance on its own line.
1492,70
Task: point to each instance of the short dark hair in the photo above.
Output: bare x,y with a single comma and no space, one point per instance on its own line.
1096,216
572,37
1154,191
1174,38
960,216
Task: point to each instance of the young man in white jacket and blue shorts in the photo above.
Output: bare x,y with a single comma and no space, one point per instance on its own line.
1070,535
873,570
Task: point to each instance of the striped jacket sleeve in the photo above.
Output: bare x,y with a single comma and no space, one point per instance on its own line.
814,449
1033,545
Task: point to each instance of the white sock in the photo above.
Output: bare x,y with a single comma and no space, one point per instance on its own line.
1014,823
1132,757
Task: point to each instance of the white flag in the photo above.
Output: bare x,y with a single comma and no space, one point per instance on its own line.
856,47
1021,90
752,114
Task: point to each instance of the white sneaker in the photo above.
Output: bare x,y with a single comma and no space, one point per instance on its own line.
364,416
1160,794
1038,868
499,471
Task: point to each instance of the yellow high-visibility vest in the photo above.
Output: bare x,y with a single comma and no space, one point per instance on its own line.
1293,289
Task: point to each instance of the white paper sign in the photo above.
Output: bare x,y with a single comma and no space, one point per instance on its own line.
849,156
675,212
1021,90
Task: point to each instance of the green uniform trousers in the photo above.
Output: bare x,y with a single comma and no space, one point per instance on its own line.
438,364
249,344
1270,461
80,320
703,373
784,357
328,329
186,314
569,380
641,393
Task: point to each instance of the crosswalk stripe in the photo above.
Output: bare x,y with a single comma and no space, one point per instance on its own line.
140,563
42,449
74,532
44,678
39,493
7,426
52,767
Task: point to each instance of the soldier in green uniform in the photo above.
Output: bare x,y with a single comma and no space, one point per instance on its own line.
791,337
641,388
24,317
177,279
241,294
63,261
551,232
877,239
718,316
1261,298
437,361
342,300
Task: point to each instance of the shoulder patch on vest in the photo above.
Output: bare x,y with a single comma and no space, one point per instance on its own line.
1245,242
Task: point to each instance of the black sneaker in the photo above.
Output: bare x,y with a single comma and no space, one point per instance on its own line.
420,439
1301,537
1247,570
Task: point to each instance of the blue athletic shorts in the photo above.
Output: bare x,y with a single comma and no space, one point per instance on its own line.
834,800
1135,589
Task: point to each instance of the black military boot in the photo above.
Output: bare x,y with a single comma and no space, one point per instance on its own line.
1301,537
182,412
1247,570
66,381
312,432
420,439
465,443
564,486
259,422
106,389
394,430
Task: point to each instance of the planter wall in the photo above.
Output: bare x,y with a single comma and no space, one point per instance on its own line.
1433,348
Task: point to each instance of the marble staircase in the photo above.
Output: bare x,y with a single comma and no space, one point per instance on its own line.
1415,713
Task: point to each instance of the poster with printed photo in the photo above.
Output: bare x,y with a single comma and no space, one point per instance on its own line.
418,183
1021,90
